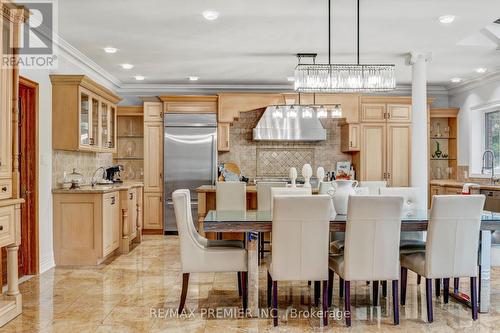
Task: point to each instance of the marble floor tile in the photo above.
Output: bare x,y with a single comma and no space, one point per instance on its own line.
139,292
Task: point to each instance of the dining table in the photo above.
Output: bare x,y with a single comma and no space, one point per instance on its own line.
253,222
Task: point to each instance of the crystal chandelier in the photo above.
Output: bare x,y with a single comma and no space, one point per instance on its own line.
342,77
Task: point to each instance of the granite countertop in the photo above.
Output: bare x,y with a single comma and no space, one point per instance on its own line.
87,189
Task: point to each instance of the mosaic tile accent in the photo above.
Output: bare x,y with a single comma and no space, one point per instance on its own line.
277,161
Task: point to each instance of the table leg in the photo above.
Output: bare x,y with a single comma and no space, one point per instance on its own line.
485,266
253,272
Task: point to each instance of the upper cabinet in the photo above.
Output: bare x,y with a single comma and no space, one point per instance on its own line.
83,114
189,104
382,109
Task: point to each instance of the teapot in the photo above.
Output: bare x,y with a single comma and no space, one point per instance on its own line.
340,193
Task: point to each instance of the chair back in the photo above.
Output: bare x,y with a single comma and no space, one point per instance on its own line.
289,191
409,195
453,236
326,187
231,196
300,232
191,242
371,250
373,186
362,190
264,194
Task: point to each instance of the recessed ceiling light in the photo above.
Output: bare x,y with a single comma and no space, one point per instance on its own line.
447,19
481,70
290,79
110,49
210,14
139,77
127,66
456,80
193,78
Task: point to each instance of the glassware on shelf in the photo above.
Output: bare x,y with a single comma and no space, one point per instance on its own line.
439,173
438,131
447,131
449,172
129,148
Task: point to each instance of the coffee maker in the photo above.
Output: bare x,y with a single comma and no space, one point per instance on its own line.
114,171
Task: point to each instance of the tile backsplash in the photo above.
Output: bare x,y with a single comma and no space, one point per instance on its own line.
84,163
260,158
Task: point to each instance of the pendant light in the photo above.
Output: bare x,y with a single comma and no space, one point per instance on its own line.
342,77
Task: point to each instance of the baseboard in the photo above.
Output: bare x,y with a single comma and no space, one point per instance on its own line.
175,233
152,231
47,263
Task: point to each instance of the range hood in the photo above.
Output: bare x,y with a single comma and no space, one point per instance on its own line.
289,123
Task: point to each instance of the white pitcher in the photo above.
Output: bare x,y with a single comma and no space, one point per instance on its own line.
341,192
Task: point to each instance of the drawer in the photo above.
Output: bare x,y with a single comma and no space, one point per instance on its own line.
7,225
5,189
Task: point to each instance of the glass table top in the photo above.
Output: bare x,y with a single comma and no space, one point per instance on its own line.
265,216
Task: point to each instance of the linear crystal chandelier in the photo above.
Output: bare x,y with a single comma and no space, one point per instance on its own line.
330,77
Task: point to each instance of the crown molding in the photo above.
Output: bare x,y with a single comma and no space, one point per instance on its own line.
455,89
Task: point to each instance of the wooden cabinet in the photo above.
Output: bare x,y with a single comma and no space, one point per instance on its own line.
350,137
398,154
5,122
83,114
223,132
7,225
385,153
373,113
189,104
398,113
132,212
373,152
153,112
153,211
86,227
110,223
153,157
153,167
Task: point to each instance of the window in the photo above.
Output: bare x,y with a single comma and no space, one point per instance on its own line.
492,137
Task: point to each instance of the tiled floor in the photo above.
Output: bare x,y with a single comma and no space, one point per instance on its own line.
123,295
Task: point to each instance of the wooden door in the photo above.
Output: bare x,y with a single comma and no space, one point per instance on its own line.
153,211
398,113
373,151
373,113
28,164
104,127
350,137
84,116
399,154
153,157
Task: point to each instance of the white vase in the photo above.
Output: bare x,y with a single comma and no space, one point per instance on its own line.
307,173
293,176
343,189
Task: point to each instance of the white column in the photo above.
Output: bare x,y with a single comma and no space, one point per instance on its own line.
419,146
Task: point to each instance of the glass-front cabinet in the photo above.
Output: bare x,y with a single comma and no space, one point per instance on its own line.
84,115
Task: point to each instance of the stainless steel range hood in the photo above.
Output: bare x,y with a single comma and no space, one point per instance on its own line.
287,123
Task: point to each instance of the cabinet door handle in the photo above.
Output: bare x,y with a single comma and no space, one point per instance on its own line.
385,175
91,141
131,195
0,163
113,200
4,189
388,175
388,115
350,144
1,227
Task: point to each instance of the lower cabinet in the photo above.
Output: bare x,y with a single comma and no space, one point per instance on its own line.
110,223
153,211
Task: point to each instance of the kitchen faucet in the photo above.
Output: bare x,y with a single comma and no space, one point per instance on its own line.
490,152
93,182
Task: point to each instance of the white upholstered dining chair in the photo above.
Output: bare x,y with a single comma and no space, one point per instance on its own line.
264,204
230,196
373,185
289,191
451,249
300,244
371,247
199,255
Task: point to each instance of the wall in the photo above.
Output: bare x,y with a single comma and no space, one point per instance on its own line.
68,64
84,163
485,92
275,158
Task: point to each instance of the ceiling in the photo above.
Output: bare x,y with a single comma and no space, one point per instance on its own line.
255,42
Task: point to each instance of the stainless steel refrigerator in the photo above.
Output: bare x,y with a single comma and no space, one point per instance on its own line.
190,158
